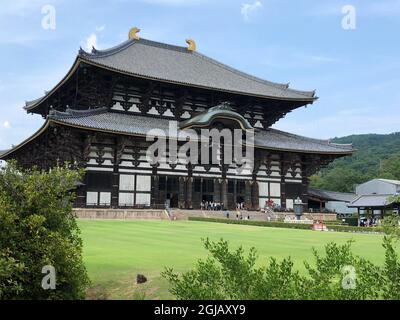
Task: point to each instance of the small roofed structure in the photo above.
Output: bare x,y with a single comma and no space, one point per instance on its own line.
375,205
332,201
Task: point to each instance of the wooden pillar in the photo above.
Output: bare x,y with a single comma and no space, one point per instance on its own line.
189,193
255,195
224,192
181,195
115,178
283,192
155,198
217,190
248,195
305,183
235,193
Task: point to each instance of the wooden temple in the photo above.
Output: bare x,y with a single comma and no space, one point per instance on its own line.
98,115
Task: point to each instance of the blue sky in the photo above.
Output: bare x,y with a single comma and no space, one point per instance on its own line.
356,72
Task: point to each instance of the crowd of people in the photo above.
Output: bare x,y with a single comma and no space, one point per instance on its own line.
219,206
373,222
212,206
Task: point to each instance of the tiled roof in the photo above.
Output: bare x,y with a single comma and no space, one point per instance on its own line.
116,122
372,201
331,195
176,64
3,152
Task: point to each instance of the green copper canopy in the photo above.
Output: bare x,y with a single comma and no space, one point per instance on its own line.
223,111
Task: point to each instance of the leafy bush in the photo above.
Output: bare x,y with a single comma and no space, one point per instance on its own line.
254,223
331,227
336,275
37,229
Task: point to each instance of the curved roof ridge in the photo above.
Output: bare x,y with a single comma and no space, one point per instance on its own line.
126,44
320,141
72,113
106,52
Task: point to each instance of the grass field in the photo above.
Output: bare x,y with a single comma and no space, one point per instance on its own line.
116,251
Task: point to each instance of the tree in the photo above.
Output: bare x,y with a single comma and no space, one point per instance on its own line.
38,229
337,179
390,168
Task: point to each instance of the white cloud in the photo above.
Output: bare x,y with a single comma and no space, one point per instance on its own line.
248,9
7,125
91,42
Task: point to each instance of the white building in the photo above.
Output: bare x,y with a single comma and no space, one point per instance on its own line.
374,196
379,187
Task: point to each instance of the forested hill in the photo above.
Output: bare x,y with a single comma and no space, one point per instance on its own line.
377,156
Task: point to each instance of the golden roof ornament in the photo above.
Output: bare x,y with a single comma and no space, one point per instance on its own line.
192,45
133,33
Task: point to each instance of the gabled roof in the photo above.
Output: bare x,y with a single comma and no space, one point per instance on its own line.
371,201
174,64
331,195
395,182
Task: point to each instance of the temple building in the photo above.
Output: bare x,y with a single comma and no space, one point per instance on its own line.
99,114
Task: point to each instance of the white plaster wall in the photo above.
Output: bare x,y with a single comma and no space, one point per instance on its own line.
275,190
92,198
143,183
263,189
126,199
143,198
126,182
289,203
105,198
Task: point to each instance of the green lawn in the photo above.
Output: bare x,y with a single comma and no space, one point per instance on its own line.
115,251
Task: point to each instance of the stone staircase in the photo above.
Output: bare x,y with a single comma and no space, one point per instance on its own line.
185,214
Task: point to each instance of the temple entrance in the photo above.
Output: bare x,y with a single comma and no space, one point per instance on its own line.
172,199
240,193
208,197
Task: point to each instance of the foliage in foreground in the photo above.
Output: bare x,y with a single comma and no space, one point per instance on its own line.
336,275
37,229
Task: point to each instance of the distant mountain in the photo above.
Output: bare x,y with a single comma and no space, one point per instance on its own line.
377,155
